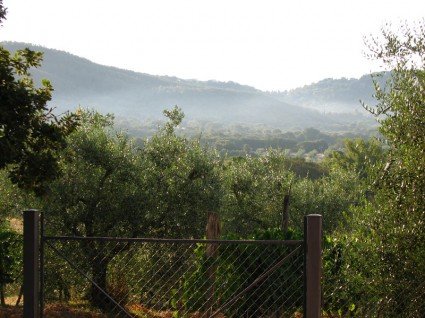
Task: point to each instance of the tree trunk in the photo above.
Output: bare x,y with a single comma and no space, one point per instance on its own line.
97,296
100,292
21,292
3,301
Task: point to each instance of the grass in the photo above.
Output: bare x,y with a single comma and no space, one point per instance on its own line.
17,225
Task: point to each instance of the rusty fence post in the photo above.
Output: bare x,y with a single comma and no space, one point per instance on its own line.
31,263
312,265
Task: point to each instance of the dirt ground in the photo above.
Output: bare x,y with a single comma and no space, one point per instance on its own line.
51,311
66,311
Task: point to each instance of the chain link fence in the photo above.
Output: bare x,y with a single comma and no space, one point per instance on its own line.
130,277
175,278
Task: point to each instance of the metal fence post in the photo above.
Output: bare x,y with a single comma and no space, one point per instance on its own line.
312,265
31,263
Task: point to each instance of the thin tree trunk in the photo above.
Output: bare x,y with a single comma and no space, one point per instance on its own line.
97,297
21,291
3,301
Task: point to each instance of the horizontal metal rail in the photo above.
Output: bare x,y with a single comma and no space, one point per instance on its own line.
181,241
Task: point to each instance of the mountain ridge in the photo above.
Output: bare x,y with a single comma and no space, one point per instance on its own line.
78,81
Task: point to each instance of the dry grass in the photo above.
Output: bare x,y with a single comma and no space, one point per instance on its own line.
11,300
16,224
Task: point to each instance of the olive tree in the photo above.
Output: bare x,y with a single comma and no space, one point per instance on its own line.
109,187
399,206
255,188
384,254
99,193
181,179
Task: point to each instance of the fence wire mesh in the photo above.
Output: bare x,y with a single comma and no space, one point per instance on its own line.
176,278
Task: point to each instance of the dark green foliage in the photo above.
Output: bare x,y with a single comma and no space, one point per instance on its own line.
10,258
345,292
333,262
29,133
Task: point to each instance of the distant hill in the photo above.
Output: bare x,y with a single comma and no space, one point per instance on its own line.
333,95
78,81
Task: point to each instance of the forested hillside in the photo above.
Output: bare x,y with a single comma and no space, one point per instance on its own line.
78,81
333,95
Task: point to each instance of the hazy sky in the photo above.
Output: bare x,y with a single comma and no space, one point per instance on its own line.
272,45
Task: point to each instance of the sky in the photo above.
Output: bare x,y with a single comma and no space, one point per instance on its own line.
268,44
